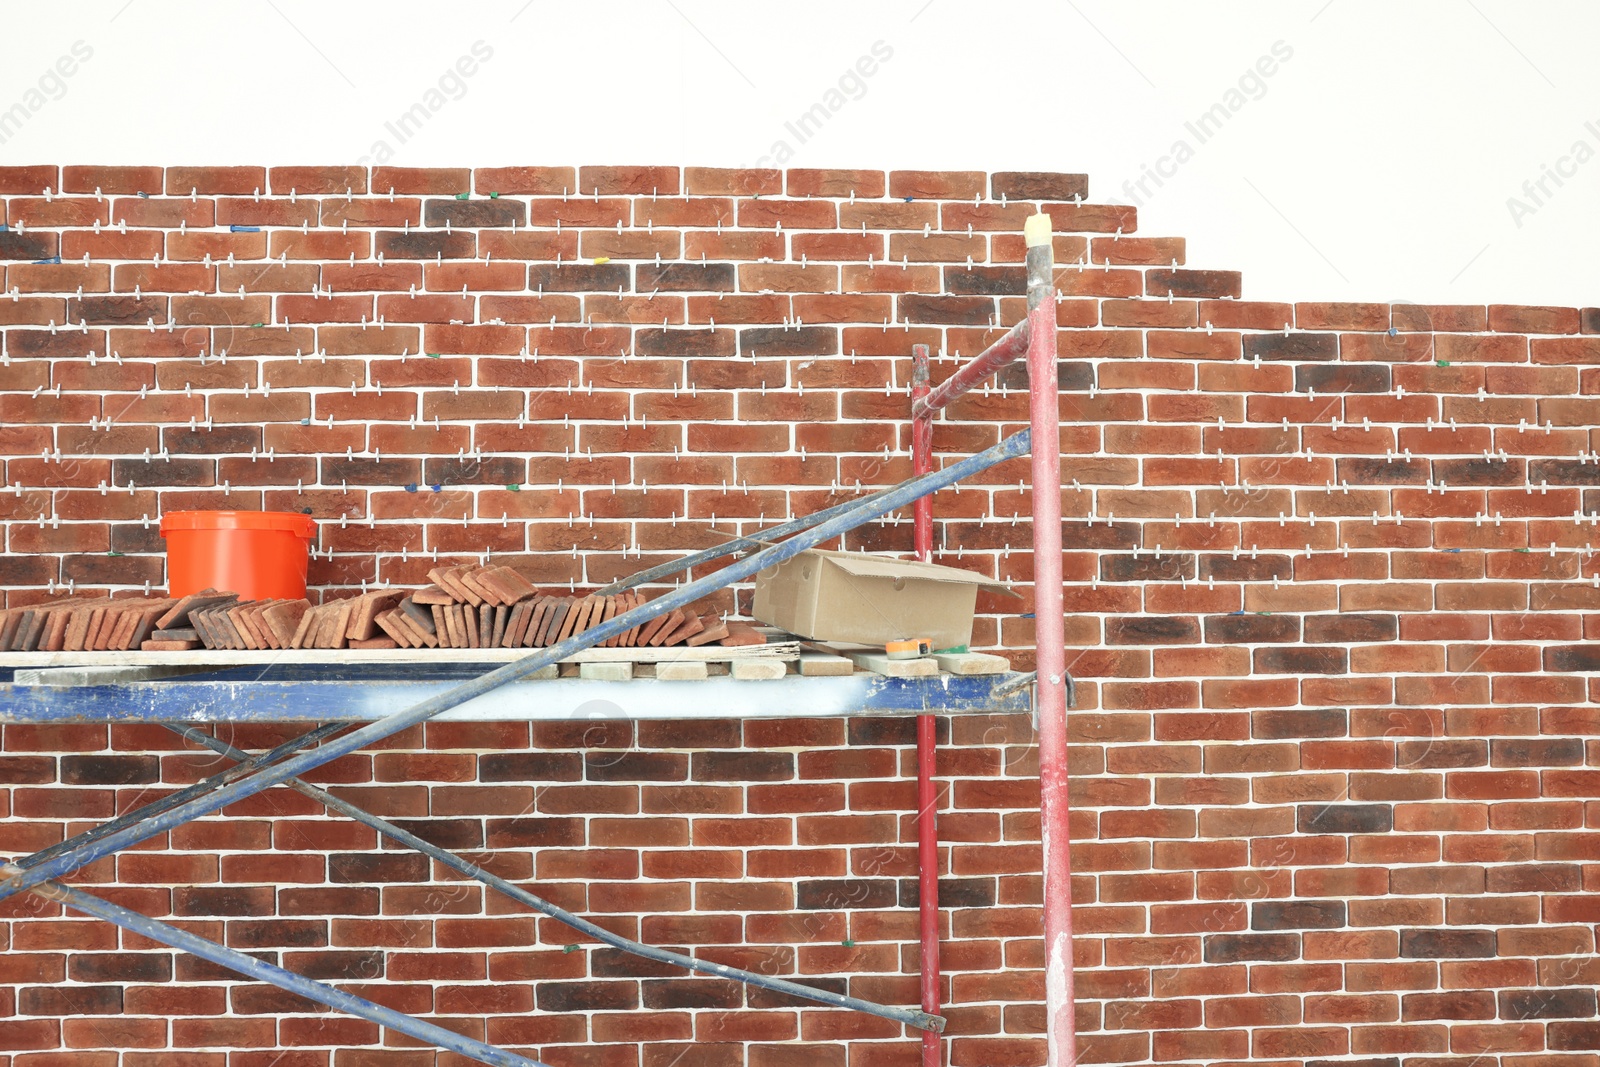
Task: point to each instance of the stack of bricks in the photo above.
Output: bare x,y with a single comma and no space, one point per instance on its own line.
1332,615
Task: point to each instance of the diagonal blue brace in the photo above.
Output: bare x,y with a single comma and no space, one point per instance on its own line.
172,800
251,967
919,1020
870,507
747,543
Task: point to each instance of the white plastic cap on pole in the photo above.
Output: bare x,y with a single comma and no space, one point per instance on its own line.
1036,230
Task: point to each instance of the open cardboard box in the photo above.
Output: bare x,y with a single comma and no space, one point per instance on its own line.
870,600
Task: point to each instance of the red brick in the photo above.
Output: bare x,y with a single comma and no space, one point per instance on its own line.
637,181
29,180
937,184
866,184
313,181
109,180
730,181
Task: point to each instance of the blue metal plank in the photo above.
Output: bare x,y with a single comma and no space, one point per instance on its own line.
303,700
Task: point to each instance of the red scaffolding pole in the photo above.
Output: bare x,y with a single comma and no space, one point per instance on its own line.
1049,613
1034,337
927,731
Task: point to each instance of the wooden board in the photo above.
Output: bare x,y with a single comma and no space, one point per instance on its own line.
824,664
225,657
606,672
970,663
681,670
758,668
880,663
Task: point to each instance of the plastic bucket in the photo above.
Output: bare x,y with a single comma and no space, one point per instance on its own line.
260,555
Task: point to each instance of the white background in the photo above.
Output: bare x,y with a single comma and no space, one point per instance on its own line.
1376,165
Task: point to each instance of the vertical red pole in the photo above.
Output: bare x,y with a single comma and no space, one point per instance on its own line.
921,453
927,735
1050,642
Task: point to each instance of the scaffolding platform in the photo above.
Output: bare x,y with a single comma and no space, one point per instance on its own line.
84,692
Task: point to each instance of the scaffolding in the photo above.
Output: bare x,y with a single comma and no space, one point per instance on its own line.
340,702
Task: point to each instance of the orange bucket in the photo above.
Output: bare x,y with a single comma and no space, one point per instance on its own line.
260,555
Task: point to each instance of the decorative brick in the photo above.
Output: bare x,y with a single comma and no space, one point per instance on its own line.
1447,944
1235,948
1038,185
1192,283
1345,818
936,184
1297,915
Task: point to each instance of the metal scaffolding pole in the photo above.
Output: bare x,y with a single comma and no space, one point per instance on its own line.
251,967
1050,645
927,727
1035,339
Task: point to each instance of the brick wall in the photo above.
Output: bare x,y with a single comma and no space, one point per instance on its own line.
1331,591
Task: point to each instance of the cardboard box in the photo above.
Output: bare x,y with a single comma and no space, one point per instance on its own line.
869,600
